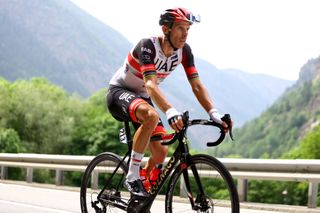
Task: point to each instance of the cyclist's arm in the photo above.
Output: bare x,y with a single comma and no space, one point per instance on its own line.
201,94
203,97
145,52
156,94
159,99
197,87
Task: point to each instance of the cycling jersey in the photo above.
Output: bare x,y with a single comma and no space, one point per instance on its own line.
147,58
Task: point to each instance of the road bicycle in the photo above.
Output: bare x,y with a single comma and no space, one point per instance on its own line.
196,183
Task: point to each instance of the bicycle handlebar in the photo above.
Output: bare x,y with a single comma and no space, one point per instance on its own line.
168,139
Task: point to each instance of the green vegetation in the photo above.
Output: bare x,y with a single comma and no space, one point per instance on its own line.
37,116
290,193
289,129
9,141
309,148
280,128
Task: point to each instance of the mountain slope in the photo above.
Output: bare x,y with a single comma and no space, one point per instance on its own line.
57,40
241,94
281,127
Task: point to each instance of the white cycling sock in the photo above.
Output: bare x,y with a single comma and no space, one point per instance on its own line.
134,166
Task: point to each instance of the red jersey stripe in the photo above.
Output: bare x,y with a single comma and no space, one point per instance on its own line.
132,62
147,67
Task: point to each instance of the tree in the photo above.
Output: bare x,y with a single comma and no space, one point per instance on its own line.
309,147
9,141
5,102
98,131
42,114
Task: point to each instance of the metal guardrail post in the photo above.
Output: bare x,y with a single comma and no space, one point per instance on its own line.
242,188
59,177
94,179
312,194
29,176
3,172
183,190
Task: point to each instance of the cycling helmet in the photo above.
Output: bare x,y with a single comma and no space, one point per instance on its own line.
170,16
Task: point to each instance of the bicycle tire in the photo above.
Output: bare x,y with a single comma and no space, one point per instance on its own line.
101,168
218,186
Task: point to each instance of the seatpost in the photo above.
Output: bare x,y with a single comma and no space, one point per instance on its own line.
127,128
128,135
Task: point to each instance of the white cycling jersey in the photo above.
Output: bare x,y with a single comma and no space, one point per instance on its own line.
147,58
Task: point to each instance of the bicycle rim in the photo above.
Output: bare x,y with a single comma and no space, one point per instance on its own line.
217,192
98,175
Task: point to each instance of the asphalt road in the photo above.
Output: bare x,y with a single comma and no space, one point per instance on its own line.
16,198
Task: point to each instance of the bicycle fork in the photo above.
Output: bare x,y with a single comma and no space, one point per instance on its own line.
200,202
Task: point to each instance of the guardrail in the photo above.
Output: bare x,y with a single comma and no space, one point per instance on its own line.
241,169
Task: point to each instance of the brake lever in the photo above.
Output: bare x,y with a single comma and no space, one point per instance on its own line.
227,119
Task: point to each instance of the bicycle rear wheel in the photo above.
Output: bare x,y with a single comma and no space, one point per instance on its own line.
213,190
102,187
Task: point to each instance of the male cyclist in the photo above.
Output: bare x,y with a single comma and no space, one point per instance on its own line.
134,88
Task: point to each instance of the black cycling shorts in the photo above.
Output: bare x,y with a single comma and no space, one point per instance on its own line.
122,104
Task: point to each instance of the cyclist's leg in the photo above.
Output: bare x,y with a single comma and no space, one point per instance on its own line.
158,155
158,151
127,105
148,117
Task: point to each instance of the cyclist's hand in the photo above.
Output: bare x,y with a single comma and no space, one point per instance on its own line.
174,119
216,117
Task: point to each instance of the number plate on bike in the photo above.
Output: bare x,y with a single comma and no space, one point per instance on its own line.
123,136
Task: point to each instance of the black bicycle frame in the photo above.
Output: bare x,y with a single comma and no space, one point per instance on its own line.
181,154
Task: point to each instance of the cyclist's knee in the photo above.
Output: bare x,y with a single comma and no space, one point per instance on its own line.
153,116
147,115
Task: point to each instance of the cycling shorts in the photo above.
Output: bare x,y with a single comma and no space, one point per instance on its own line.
122,104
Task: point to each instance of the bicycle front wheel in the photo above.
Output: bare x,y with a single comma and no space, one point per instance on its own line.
202,185
102,185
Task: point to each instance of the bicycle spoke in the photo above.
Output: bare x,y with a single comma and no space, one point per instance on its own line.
102,189
210,186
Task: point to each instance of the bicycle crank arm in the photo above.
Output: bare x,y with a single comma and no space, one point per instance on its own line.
139,205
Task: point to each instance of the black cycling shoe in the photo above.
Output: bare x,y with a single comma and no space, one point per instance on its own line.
136,188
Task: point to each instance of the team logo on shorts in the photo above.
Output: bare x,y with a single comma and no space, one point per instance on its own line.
126,97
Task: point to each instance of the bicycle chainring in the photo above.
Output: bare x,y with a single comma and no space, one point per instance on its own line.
138,205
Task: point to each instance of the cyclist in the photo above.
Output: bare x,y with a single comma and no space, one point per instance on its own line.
134,88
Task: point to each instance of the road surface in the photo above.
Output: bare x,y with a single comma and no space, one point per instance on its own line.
17,198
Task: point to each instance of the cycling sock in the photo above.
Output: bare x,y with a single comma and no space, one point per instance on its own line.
134,166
